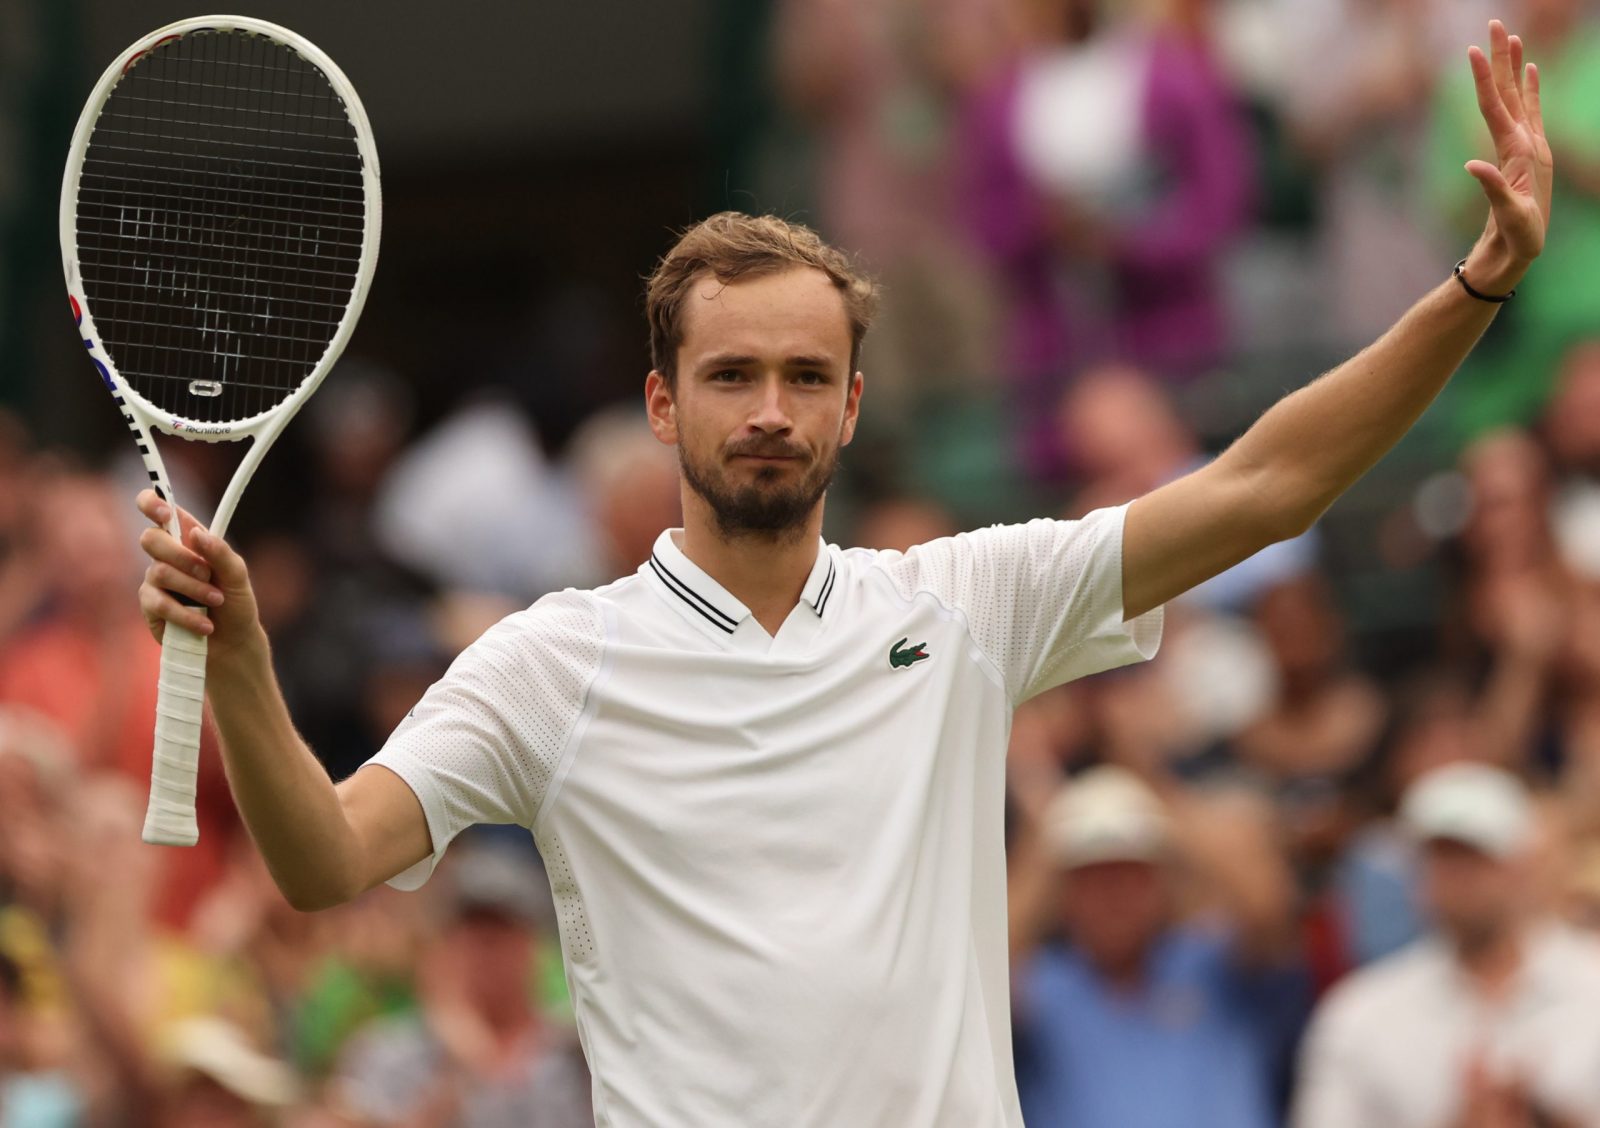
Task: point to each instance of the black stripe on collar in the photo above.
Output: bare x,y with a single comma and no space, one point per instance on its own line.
827,588
684,592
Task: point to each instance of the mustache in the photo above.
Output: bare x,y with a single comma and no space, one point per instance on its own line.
766,448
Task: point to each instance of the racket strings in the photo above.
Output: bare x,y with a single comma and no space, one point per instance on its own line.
221,221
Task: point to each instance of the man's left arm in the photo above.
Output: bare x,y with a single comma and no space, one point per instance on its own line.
1312,445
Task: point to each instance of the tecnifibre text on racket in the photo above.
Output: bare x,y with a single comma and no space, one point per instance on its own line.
219,226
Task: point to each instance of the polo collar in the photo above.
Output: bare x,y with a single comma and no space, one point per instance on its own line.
712,603
818,592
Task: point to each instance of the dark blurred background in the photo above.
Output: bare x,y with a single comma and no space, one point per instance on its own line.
1110,233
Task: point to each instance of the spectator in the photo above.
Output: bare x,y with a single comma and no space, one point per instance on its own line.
30,1097
1432,724
1526,609
1572,417
479,1055
1499,1008
1572,428
1105,224
876,81
244,923
1328,717
899,522
629,483
214,1078
1125,438
1358,82
366,969
1141,1016
19,570
357,425
481,478
35,782
87,662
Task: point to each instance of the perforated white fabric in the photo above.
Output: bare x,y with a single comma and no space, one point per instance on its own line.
1043,600
576,935
485,741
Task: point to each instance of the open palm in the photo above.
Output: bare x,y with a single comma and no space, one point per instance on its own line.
1518,182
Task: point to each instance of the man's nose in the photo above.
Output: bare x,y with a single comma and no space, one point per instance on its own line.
771,412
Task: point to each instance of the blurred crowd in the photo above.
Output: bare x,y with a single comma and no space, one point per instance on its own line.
1326,862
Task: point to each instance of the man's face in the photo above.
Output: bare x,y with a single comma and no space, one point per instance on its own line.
764,399
492,951
1115,911
1472,896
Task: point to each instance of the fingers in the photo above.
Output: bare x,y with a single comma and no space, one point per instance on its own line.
1494,184
175,569
187,576
1531,101
227,566
171,579
1505,80
160,608
1515,44
1490,102
159,545
158,510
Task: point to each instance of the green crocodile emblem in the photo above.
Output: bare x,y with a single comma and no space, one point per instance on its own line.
901,655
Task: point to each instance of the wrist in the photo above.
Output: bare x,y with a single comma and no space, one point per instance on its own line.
247,653
1490,268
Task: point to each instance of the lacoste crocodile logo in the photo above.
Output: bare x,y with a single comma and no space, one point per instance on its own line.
901,655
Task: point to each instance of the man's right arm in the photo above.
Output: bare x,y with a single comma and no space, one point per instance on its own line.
323,844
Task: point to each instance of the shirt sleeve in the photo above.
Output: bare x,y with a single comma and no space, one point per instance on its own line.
1043,600
486,740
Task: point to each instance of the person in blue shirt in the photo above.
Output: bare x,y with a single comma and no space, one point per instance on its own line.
29,1098
1167,994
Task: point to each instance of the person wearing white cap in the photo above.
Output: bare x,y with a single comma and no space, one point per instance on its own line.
1495,1017
215,1078
479,1053
1142,1017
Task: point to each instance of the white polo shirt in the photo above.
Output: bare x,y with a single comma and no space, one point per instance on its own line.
1393,1043
778,861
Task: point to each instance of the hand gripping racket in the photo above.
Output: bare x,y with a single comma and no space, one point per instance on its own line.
219,226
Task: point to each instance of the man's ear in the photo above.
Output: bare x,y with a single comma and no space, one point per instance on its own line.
661,407
852,409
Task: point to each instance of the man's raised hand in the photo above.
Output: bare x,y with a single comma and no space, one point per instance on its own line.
1518,182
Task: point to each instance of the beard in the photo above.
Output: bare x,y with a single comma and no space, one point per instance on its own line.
1474,935
763,509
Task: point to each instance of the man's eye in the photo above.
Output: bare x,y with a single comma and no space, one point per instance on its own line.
728,375
812,377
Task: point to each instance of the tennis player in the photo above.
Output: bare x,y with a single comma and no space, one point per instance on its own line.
766,773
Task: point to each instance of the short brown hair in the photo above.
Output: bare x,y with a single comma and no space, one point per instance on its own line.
730,246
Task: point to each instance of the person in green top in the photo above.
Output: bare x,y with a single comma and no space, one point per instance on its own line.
1511,375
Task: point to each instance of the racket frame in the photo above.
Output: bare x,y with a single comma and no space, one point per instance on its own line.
170,819
141,415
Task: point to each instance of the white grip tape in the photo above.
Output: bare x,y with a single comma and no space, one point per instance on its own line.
180,704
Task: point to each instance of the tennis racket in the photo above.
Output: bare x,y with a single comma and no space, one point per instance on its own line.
219,227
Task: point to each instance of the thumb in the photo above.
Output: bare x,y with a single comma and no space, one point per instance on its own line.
1493,183
227,566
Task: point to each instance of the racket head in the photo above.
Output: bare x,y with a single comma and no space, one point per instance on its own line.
220,218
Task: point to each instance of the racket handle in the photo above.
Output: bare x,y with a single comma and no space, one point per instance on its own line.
180,703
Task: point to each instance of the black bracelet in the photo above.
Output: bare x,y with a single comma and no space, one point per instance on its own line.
1461,277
